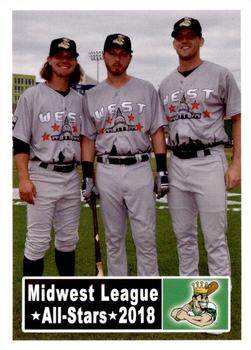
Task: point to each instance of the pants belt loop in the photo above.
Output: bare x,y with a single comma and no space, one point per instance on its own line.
105,159
203,153
200,154
138,158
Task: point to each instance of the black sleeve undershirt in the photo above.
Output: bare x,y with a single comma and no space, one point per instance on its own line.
161,162
20,146
87,169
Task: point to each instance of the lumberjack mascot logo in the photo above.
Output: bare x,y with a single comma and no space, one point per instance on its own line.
199,311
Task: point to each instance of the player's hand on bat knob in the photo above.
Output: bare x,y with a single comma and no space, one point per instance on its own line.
161,186
89,189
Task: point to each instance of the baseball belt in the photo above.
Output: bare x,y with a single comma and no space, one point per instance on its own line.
62,168
187,154
194,151
59,168
123,160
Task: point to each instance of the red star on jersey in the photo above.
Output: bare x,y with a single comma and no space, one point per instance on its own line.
74,129
55,127
131,117
45,136
139,127
206,114
101,131
172,108
109,120
195,105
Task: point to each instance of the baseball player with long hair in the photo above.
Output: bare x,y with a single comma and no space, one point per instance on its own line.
123,115
48,124
196,97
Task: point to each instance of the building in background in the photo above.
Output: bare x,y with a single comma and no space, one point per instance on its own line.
20,82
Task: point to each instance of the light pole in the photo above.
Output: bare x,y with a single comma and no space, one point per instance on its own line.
96,55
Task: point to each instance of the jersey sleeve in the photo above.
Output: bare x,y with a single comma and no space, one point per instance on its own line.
232,96
158,115
88,128
23,120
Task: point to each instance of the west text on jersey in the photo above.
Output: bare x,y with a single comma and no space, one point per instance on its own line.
58,116
126,107
190,93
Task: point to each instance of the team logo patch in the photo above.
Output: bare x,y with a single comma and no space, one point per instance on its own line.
117,122
184,111
199,311
120,40
65,44
66,132
196,304
63,128
186,23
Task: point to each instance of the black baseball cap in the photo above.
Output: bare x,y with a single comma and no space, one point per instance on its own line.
189,23
118,40
63,44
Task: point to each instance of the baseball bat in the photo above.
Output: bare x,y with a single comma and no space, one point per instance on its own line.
98,259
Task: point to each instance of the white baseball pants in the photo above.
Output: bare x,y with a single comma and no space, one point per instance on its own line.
197,186
126,191
58,204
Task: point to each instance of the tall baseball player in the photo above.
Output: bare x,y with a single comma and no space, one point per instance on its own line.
196,97
47,150
123,115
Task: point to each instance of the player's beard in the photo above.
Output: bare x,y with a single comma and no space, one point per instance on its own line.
116,70
63,73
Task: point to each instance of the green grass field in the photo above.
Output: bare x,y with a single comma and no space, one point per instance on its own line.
85,266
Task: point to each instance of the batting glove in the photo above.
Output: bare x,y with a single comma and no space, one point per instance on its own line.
89,189
161,186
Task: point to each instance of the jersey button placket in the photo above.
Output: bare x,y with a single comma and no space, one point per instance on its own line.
65,116
117,103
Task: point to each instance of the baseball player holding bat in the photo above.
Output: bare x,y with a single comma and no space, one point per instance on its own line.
123,115
196,97
47,150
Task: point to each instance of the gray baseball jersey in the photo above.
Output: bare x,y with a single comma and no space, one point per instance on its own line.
196,105
134,111
54,121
